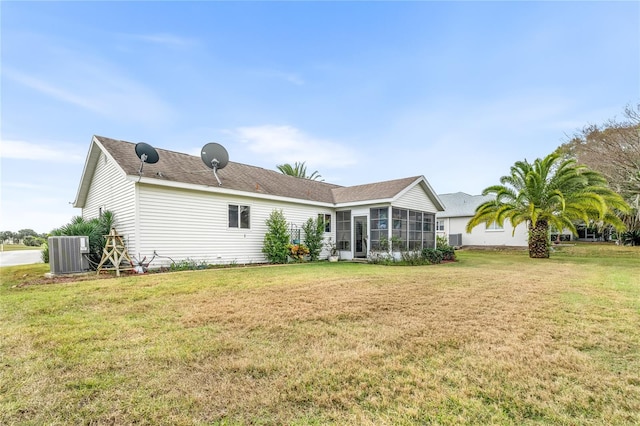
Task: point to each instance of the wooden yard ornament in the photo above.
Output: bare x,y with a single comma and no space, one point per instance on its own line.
115,252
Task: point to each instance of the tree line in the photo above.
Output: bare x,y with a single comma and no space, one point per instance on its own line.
28,237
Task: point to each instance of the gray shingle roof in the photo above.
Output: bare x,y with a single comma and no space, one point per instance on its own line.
184,168
372,191
460,204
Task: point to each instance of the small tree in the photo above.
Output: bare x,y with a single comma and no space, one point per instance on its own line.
277,238
314,236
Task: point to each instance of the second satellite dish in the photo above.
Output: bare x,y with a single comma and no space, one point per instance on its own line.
147,154
215,157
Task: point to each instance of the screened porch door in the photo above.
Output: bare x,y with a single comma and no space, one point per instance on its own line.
360,236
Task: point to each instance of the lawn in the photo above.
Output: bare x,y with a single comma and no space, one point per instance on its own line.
15,247
494,338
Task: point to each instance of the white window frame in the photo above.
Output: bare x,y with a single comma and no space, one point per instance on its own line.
494,227
324,217
239,208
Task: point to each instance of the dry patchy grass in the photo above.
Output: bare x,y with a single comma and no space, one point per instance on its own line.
494,338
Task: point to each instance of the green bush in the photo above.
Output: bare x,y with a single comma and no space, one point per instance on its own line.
448,253
432,256
95,229
412,258
441,241
33,241
314,236
276,240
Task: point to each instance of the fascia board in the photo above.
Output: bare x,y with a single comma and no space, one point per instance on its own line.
90,164
364,203
87,173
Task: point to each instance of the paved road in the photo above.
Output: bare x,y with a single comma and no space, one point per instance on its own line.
20,257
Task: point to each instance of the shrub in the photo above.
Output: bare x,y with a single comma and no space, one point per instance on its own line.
298,251
432,255
33,241
276,239
441,241
448,253
95,229
313,236
412,258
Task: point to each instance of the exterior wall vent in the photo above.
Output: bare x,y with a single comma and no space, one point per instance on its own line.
66,254
455,240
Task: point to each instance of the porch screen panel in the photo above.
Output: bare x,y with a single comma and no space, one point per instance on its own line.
415,230
428,231
343,230
399,231
379,227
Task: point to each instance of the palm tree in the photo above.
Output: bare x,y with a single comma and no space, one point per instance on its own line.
298,170
550,192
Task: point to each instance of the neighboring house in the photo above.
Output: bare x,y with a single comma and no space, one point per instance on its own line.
176,209
459,208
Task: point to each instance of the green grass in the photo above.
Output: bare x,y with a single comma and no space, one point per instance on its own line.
15,247
495,338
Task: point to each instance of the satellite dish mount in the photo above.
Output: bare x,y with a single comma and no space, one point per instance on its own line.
215,157
147,154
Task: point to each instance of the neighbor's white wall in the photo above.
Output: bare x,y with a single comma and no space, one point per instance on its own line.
480,236
186,224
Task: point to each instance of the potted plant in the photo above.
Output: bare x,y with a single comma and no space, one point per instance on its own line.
333,251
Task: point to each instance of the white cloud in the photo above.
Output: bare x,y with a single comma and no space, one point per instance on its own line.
49,89
95,85
289,77
165,39
286,144
58,153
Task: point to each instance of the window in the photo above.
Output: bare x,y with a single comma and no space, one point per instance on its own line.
493,226
440,225
379,226
239,216
327,221
343,230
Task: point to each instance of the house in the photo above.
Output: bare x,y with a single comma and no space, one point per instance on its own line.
176,209
459,208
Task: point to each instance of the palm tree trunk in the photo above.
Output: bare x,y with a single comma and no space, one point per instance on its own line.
539,240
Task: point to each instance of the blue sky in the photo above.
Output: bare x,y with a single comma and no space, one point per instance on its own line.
361,91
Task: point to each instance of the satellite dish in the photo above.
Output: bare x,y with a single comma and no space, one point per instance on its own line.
215,157
147,154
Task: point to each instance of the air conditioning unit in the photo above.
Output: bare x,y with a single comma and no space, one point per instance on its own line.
66,254
455,240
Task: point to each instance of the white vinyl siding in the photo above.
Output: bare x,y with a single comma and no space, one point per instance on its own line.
185,224
480,236
416,199
111,191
